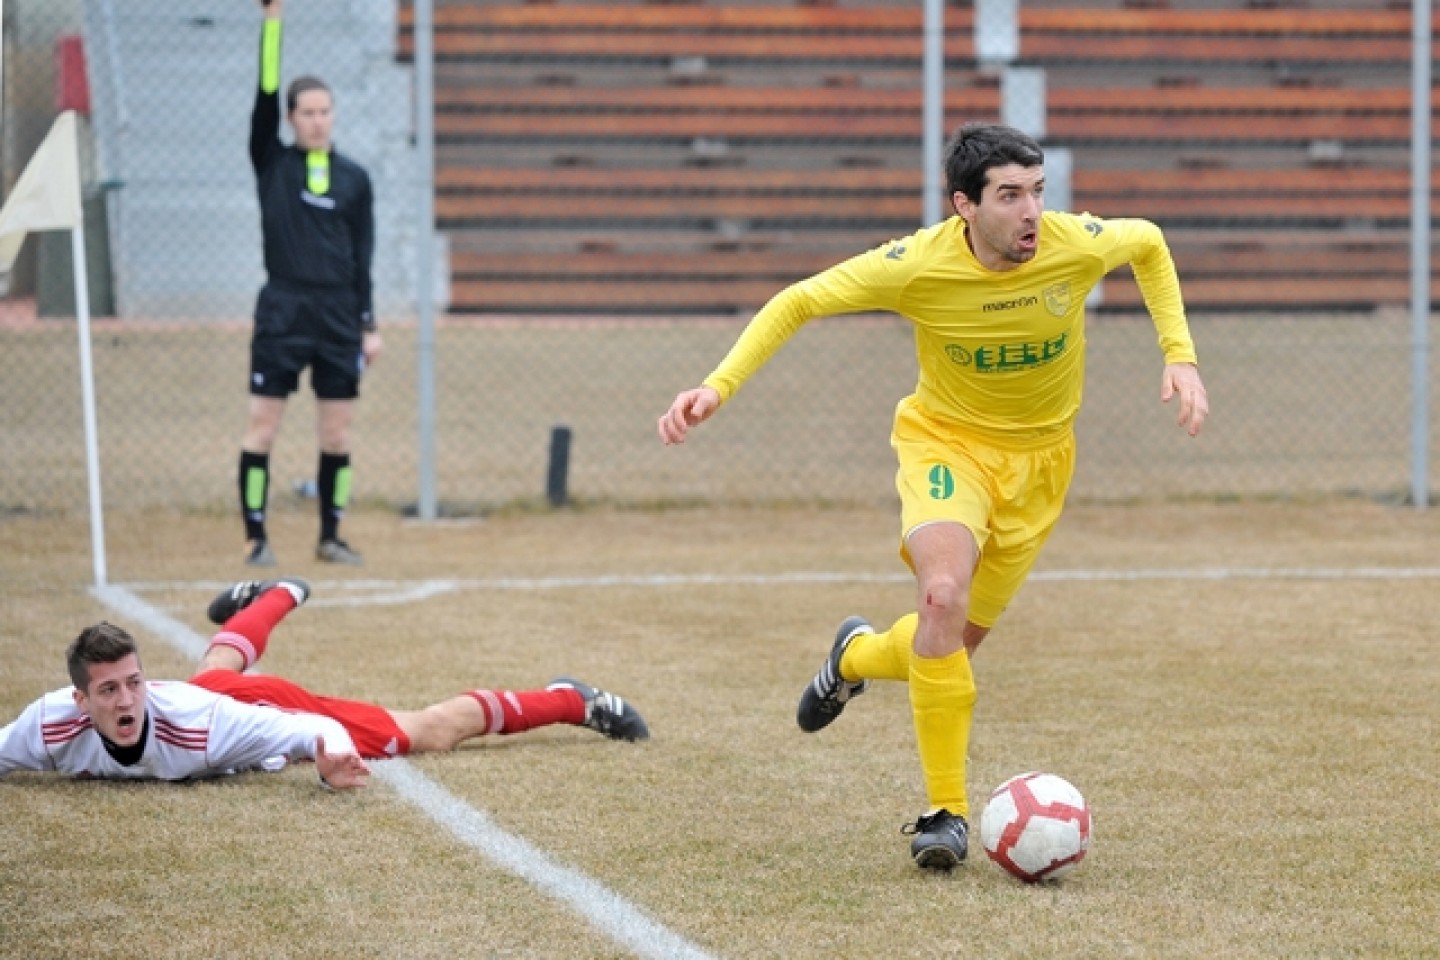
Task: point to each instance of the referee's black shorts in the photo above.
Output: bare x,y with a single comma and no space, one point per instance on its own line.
304,326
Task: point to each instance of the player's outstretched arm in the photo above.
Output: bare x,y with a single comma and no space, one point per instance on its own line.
1183,380
340,771
274,9
690,409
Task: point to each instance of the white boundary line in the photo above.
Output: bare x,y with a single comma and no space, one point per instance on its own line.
617,917
362,593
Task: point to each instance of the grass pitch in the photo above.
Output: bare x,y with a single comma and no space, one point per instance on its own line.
1256,739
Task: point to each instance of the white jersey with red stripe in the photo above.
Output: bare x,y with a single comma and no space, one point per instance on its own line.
193,733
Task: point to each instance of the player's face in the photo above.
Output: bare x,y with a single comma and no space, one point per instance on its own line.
312,120
115,700
1005,225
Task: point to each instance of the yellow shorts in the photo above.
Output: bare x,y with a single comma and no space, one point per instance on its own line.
1009,498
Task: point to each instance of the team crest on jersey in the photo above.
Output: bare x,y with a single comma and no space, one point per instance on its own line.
1057,298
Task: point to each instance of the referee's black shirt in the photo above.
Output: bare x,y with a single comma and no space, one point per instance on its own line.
312,241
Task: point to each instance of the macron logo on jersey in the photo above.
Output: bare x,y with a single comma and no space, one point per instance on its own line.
1015,304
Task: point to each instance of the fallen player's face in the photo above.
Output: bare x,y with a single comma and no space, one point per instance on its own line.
115,700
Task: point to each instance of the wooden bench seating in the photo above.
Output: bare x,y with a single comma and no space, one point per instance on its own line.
620,272
694,157
888,33
1075,115
891,198
1240,261
1215,36
1217,255
573,293
1273,293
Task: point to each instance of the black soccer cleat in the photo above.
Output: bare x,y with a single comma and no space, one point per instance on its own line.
828,693
606,713
237,597
942,840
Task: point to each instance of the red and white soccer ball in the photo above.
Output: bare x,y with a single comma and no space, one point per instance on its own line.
1036,827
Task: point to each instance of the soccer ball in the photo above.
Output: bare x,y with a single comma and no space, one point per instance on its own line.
1036,827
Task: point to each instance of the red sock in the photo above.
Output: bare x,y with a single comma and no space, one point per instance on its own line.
509,711
249,630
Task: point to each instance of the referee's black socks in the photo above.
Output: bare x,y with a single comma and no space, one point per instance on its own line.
333,483
254,492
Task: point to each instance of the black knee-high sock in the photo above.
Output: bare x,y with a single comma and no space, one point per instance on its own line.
254,492
334,489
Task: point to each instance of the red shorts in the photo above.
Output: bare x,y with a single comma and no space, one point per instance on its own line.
374,730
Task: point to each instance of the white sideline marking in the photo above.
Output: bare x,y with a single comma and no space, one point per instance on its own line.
362,593
608,911
614,915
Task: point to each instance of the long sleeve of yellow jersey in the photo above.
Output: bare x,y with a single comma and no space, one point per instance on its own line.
1141,244
870,282
932,278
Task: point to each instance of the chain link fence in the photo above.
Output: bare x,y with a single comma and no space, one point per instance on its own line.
620,185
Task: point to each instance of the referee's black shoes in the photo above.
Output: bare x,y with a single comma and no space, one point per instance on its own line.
260,554
338,551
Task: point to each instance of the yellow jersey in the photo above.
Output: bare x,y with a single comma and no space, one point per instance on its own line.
1001,354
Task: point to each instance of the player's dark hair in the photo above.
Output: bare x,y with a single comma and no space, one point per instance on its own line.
303,85
977,147
102,643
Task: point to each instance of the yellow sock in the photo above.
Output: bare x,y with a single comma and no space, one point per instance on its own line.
942,699
881,656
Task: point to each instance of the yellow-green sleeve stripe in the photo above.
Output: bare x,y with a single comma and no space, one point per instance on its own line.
270,57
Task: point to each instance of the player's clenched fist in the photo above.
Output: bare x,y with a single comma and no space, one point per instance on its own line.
691,408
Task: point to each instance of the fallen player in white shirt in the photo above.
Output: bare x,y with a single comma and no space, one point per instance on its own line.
114,723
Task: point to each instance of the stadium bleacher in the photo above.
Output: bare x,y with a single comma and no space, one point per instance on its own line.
692,157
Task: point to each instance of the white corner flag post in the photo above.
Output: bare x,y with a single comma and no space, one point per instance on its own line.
47,197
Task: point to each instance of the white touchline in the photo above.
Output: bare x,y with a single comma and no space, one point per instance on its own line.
625,923
607,910
372,593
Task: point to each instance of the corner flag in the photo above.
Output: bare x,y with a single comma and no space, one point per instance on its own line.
47,195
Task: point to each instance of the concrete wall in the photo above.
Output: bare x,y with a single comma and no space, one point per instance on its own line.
172,87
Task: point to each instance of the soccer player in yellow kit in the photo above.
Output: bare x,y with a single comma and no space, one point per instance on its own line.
985,445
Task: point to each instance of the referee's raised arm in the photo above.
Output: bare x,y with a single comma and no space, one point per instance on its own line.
265,118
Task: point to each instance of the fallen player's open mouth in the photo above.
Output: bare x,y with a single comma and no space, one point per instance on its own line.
126,722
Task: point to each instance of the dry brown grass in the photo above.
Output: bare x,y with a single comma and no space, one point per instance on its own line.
1260,754
1302,405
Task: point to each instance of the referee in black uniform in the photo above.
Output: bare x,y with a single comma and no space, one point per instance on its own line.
315,309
